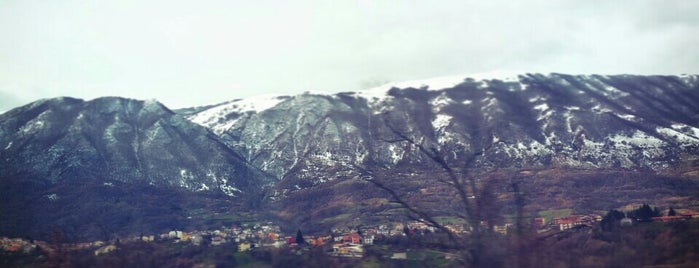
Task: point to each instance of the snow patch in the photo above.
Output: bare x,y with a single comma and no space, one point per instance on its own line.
489,102
203,188
395,155
153,133
184,176
373,94
609,90
447,137
628,117
550,139
536,99
437,83
598,109
569,118
258,103
545,111
441,101
523,86
691,136
32,126
222,183
503,75
686,129
52,197
441,121
542,107
638,138
212,117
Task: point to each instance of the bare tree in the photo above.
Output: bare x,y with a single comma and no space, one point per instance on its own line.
469,191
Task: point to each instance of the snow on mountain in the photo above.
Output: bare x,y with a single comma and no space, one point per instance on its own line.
214,116
310,149
538,120
437,83
120,140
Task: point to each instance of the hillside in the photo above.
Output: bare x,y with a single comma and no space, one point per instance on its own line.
591,142
587,142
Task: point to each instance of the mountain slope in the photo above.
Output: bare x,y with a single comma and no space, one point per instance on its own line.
579,131
57,146
114,165
534,120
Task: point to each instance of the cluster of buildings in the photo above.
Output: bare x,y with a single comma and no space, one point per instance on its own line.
574,221
543,225
565,223
16,245
345,242
258,235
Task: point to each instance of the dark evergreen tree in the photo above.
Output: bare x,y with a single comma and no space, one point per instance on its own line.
611,220
299,237
645,213
672,212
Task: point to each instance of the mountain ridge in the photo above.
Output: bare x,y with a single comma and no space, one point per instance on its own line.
281,154
536,106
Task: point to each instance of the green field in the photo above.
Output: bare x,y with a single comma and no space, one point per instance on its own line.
555,213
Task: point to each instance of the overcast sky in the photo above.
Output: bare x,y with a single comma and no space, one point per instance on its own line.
187,53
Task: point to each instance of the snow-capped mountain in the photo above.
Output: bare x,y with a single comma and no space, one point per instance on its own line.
64,160
118,139
593,142
532,120
88,167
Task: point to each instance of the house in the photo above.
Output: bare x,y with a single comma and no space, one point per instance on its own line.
455,228
351,238
540,222
671,218
565,223
318,241
502,229
272,236
175,234
348,250
384,232
309,239
217,240
369,240
185,236
197,239
290,240
242,247
573,221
